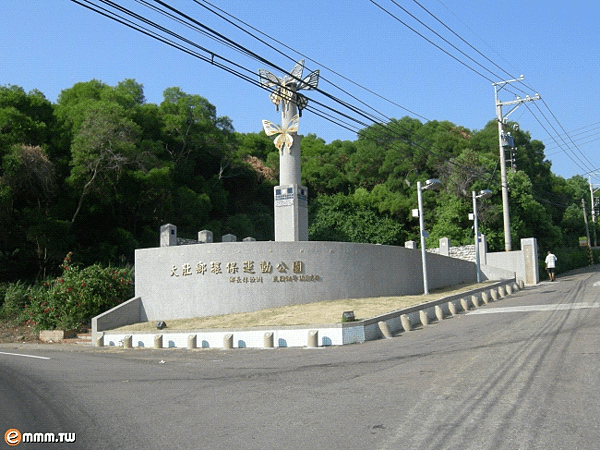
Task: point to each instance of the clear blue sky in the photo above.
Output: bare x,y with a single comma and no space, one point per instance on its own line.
52,44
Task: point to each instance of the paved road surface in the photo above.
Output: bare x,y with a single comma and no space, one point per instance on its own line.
521,373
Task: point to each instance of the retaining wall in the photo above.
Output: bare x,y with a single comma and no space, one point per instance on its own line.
223,278
383,326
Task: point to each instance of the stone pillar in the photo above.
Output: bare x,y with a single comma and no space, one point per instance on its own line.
205,237
445,246
291,198
482,249
406,322
530,256
411,244
168,235
313,338
289,158
291,213
385,329
268,339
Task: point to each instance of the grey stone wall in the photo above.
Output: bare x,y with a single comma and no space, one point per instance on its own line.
223,278
465,252
183,241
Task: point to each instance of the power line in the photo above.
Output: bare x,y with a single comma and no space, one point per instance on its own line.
462,39
476,71
239,70
546,130
306,57
430,41
588,135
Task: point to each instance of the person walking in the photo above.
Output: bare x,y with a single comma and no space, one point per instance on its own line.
551,264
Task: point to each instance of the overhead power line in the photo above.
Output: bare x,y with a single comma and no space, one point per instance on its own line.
224,13
353,115
354,119
568,143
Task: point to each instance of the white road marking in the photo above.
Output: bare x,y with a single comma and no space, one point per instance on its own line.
26,356
596,284
534,308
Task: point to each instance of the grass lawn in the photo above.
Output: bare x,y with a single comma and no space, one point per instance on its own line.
307,314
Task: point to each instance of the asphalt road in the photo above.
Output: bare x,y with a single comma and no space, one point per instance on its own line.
520,373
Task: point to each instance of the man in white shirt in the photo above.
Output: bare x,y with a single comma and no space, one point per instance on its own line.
551,265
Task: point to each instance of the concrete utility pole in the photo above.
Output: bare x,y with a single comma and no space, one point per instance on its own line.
587,232
593,209
430,185
502,120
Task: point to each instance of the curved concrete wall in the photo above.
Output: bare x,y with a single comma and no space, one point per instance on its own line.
224,278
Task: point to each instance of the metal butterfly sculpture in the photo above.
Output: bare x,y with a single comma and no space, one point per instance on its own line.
286,88
284,138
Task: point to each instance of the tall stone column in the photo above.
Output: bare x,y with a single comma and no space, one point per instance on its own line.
291,198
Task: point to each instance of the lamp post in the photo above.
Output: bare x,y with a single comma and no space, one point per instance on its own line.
486,193
430,185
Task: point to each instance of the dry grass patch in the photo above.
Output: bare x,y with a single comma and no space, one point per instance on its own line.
306,314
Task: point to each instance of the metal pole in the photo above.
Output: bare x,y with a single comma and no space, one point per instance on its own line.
422,228
476,226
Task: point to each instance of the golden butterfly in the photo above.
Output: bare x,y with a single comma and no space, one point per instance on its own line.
284,137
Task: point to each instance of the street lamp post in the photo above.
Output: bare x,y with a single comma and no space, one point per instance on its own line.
432,184
486,193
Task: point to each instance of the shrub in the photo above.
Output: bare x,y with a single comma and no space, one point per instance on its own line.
72,299
569,258
14,297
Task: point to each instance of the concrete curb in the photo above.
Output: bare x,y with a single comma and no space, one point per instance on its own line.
384,326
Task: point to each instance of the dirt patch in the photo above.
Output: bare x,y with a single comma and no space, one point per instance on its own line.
10,333
305,314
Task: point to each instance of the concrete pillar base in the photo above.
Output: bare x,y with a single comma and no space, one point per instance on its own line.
439,312
385,329
268,340
406,323
313,338
228,341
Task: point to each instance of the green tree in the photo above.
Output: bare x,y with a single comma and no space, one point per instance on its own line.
103,144
324,166
28,182
347,219
24,118
528,216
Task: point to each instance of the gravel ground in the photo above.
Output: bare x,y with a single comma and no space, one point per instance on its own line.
17,334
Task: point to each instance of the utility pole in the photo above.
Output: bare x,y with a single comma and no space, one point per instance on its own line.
593,210
587,231
502,138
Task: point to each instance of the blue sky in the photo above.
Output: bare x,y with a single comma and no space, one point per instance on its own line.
52,44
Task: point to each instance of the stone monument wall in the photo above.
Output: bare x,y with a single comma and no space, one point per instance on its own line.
223,278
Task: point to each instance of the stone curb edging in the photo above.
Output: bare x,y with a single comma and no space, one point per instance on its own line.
383,326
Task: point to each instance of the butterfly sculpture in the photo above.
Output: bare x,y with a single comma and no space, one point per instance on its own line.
284,137
286,88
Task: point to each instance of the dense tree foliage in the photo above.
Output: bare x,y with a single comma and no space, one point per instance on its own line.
98,172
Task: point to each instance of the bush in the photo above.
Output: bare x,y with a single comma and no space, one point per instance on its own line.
569,258
14,297
71,300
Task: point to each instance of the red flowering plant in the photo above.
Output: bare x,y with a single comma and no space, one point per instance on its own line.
72,299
